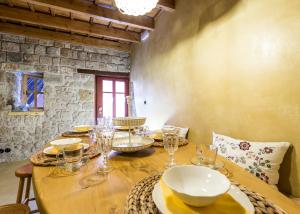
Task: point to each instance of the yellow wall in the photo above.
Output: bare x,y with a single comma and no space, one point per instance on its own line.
228,66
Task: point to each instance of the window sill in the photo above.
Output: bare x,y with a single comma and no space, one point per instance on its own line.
26,113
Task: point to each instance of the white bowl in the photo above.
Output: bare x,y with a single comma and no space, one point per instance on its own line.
197,186
62,143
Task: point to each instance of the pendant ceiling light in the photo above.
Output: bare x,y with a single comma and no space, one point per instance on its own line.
135,7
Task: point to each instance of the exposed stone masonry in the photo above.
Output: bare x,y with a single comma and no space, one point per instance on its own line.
69,96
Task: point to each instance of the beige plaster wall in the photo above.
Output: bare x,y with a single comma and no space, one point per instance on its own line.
227,66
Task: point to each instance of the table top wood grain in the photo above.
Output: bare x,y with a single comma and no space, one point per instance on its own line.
69,195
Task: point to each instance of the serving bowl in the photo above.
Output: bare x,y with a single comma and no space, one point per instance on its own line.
197,186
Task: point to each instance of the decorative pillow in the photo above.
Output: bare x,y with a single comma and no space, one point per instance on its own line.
262,159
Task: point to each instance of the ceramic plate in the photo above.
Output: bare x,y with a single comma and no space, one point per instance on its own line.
234,191
52,151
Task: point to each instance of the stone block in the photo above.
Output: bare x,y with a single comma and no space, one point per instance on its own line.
14,57
56,61
123,68
30,40
77,47
40,50
87,105
92,65
67,45
90,49
111,67
31,59
27,48
124,54
46,42
53,69
105,58
45,60
66,70
10,47
24,67
53,51
52,78
116,60
82,55
67,53
67,62
94,56
59,44
75,54
2,56
86,95
80,64
41,68
13,38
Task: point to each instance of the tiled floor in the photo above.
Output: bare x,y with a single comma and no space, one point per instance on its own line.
9,183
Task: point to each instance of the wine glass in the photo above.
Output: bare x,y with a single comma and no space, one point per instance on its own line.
170,140
104,138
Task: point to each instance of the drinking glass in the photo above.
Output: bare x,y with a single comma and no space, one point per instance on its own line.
104,140
206,155
72,156
170,140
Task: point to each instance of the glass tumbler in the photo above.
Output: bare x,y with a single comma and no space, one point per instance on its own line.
206,155
170,140
72,157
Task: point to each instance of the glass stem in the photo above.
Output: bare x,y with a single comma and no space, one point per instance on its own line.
171,158
105,160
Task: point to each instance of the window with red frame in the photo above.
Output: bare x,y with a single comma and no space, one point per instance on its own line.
111,96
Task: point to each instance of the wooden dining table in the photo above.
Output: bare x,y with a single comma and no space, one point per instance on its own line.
69,194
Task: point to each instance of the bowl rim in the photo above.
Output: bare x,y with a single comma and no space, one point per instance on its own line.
193,195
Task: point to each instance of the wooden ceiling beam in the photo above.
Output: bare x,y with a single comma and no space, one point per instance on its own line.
21,15
87,8
59,36
167,5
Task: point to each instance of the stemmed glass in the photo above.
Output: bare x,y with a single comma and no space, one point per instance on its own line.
104,137
170,139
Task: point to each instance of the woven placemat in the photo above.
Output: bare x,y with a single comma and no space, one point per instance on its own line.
40,159
182,142
140,199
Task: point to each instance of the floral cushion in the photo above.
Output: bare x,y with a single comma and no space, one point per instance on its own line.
262,159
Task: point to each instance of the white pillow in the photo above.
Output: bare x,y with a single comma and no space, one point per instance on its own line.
262,159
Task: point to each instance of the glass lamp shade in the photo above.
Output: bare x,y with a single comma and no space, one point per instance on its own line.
135,7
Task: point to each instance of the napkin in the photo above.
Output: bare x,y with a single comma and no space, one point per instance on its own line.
224,205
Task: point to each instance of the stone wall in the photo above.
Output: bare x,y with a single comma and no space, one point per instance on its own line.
69,96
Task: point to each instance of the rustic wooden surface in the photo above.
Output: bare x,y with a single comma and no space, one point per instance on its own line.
108,195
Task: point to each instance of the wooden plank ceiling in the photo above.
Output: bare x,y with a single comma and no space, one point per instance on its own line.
89,22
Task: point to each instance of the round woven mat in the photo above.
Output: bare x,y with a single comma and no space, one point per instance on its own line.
140,199
40,159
